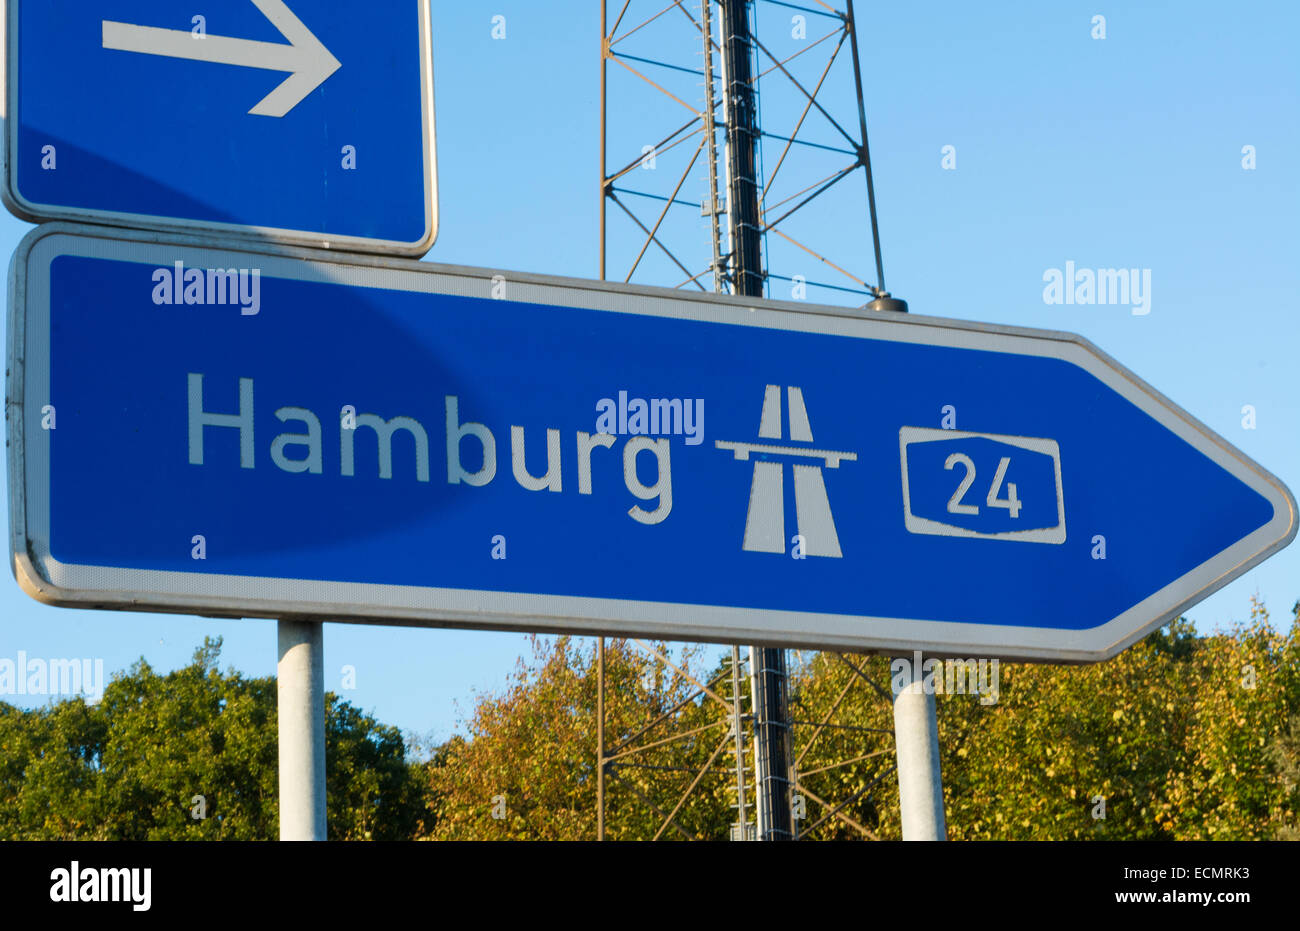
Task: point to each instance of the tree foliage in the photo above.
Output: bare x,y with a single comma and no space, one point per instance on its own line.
191,755
1179,737
527,768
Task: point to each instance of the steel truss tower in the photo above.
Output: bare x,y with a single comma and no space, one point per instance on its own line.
762,227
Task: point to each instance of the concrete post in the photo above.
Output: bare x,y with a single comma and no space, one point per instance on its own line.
300,688
916,739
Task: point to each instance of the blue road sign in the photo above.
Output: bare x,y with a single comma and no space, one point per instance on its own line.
298,121
220,432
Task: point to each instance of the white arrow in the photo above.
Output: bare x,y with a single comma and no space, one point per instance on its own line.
306,58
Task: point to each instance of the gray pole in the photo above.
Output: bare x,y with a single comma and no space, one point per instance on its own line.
768,672
916,740
300,690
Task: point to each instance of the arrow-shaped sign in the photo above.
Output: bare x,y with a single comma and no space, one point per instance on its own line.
1070,512
306,58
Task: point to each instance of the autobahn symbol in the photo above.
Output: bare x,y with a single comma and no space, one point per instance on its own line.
765,519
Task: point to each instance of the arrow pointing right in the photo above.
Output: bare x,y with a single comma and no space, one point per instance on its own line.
306,58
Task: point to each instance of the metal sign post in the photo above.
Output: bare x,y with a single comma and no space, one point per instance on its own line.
916,744
300,699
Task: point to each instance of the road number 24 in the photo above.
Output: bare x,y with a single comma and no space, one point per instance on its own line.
1011,503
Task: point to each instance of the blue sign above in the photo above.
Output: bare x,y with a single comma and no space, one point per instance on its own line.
220,432
297,121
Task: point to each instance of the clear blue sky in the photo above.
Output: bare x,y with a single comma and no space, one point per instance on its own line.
1124,152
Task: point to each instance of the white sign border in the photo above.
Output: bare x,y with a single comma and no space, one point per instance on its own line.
241,596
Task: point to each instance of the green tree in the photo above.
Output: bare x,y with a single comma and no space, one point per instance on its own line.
157,751
1178,737
1181,736
527,767
1286,757
845,750
1232,786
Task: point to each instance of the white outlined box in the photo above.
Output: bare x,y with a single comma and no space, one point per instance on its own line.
910,436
